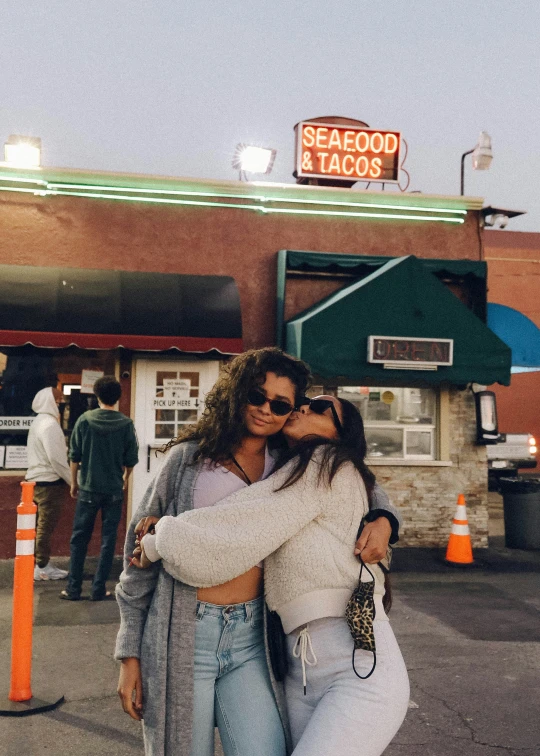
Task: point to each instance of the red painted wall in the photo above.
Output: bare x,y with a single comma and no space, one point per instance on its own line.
513,259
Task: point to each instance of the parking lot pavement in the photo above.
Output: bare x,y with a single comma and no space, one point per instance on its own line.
471,641
470,638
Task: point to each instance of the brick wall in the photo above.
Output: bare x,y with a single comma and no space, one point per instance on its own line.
426,496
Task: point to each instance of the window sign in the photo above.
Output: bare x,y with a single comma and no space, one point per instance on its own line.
88,378
175,403
16,458
16,423
350,153
2,455
410,353
176,388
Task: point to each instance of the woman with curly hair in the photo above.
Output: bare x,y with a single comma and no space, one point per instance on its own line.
195,658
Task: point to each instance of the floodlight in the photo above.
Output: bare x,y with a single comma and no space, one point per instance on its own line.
482,154
22,151
250,159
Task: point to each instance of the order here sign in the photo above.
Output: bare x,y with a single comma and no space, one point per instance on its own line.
347,152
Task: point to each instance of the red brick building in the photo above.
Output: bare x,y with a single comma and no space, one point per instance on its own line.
513,258
82,249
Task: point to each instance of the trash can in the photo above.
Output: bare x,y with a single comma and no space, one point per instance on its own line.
521,499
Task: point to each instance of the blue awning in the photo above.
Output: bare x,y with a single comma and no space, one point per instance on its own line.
519,333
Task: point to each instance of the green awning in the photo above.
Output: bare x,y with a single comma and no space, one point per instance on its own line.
364,264
399,299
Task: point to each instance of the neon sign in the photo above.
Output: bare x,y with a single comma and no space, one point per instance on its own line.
410,353
350,153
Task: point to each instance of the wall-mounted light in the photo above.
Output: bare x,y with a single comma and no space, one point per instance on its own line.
482,155
23,151
250,159
487,431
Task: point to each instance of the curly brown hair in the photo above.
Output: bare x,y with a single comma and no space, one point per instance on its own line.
221,428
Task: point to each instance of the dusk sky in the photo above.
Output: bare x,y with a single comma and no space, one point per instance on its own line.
170,88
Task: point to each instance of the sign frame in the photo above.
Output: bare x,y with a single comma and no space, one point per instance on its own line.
409,364
339,177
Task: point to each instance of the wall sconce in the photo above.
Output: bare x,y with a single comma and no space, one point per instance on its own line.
487,431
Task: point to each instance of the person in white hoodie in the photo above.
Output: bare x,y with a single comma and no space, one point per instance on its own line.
48,468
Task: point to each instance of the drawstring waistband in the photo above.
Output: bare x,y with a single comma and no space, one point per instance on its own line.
300,651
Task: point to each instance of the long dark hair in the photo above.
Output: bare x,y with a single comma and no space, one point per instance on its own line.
221,428
351,446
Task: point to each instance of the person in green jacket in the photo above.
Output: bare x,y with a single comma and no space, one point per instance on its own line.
103,452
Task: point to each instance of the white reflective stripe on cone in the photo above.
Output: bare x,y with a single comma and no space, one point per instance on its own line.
24,548
461,512
460,529
26,522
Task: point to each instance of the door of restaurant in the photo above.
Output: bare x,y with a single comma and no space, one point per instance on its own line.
168,395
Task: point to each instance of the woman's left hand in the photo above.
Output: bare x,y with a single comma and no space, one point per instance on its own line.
373,542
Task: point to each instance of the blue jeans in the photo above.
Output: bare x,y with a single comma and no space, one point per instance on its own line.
232,684
88,505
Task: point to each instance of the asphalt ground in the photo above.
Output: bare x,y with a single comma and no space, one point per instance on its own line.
470,638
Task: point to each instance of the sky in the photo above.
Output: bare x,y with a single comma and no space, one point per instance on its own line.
170,87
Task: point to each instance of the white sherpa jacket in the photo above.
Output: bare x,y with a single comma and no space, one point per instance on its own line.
305,533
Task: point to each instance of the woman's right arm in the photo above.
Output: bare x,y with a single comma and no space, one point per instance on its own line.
136,587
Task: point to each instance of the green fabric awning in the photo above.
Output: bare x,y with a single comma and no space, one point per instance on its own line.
399,299
333,262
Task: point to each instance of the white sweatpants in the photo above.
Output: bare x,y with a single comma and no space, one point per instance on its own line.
342,715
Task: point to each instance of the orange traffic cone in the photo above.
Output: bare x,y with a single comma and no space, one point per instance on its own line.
459,549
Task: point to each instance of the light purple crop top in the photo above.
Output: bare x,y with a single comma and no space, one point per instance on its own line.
213,484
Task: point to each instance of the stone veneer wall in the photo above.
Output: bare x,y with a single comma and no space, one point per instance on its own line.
426,496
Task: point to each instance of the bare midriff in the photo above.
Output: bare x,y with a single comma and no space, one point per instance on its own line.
243,588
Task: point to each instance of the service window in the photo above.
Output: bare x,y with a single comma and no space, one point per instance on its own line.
400,423
23,372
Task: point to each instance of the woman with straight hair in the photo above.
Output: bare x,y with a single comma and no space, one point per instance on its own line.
347,687
193,658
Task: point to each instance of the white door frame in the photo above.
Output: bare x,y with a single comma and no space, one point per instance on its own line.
143,413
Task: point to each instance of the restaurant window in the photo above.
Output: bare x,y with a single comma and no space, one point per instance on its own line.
26,370
400,423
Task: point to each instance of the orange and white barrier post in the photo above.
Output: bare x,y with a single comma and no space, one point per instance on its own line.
459,549
23,597
21,702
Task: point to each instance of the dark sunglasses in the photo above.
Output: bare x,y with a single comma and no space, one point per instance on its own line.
319,407
277,406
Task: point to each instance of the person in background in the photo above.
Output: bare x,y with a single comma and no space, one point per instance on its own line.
48,468
104,446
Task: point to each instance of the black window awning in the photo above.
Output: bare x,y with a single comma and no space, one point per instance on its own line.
107,309
398,300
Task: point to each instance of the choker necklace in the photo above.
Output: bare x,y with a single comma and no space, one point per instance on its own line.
239,466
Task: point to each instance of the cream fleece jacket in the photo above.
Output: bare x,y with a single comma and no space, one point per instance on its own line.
305,533
47,450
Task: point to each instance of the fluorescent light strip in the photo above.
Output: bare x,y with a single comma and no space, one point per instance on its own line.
158,200
362,215
256,208
259,198
23,180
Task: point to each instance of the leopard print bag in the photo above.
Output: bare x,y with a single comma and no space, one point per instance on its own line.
360,614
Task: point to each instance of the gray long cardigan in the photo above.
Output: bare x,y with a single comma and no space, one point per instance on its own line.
157,617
